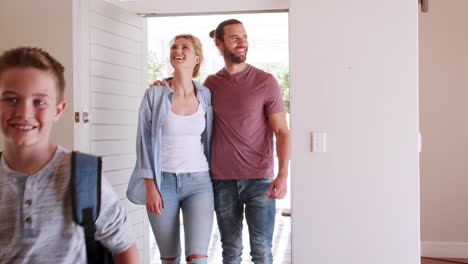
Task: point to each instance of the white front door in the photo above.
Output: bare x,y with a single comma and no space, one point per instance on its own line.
112,79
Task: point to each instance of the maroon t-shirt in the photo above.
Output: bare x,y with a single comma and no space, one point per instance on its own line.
243,138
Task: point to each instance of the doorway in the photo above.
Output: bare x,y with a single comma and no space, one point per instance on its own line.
269,51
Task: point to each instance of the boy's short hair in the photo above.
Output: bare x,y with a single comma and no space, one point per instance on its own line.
30,57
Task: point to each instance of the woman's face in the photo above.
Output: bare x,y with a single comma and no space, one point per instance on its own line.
183,55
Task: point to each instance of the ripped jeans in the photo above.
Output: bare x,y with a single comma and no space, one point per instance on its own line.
193,193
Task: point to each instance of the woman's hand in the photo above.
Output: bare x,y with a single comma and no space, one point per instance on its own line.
154,202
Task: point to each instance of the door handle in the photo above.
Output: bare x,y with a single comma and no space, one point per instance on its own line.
85,117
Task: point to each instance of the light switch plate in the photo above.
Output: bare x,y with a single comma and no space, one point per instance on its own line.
318,142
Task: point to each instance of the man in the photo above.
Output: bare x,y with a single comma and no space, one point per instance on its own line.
248,110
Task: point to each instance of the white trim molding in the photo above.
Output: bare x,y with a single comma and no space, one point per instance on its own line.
180,7
444,249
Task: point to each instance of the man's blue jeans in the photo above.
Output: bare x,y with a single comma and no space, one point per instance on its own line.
230,198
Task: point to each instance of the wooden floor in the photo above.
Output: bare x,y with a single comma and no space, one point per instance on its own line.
281,244
443,261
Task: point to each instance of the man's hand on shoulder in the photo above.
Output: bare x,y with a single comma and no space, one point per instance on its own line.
156,83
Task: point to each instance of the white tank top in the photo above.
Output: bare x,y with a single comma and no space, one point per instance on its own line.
181,146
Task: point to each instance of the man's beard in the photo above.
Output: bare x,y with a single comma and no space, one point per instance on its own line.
233,58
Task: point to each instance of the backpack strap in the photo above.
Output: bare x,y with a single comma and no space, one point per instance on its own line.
86,198
86,186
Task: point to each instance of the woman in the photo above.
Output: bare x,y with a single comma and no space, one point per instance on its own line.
173,154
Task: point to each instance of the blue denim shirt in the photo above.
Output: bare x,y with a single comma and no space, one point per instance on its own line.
154,109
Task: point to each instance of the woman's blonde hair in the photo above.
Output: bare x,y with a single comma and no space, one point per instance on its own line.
197,46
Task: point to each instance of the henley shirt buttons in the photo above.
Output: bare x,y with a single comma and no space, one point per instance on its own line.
28,220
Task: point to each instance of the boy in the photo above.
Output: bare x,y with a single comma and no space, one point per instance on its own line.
36,219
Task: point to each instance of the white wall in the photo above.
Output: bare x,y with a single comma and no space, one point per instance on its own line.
354,75
444,129
46,24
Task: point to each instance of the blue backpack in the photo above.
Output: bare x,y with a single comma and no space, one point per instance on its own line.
86,199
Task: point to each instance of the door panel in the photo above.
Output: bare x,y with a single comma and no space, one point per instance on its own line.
108,39
118,177
119,162
118,102
113,79
113,86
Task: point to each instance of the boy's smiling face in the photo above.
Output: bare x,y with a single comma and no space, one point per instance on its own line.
28,106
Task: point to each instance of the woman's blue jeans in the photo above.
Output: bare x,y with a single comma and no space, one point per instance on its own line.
193,193
230,198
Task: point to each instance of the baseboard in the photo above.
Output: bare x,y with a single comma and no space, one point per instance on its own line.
444,249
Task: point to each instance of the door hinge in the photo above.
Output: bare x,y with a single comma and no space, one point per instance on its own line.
424,4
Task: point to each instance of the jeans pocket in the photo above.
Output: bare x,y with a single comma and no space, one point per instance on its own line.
215,183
